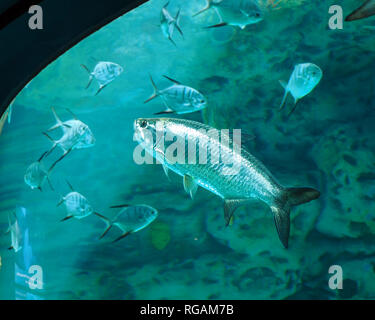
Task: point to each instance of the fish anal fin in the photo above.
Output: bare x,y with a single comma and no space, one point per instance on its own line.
230,206
222,24
120,206
66,218
122,236
190,185
282,223
101,87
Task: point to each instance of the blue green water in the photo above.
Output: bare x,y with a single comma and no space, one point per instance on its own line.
187,252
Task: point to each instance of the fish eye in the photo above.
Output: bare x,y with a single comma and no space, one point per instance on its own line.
143,124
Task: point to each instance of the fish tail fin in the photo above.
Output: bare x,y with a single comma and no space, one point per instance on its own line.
53,147
108,223
91,77
177,22
156,91
284,85
58,120
208,6
281,209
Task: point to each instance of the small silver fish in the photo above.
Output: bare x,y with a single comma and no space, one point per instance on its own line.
77,206
168,23
15,233
76,135
104,73
130,219
304,79
178,98
252,179
36,175
236,13
364,11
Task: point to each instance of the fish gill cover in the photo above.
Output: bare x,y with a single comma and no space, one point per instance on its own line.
229,78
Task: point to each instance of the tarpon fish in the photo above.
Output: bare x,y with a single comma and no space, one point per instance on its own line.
252,179
304,79
15,233
364,11
130,219
236,13
77,206
168,23
104,73
36,175
178,98
76,135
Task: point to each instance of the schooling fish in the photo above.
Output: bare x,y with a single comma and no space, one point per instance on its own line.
364,11
77,206
131,219
36,175
168,23
304,79
104,73
76,135
236,13
15,233
178,98
249,178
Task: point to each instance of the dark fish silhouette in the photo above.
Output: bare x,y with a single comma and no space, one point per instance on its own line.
364,11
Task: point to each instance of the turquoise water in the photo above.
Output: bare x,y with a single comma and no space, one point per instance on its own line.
187,252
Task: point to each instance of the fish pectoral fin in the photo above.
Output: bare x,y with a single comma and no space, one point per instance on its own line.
230,206
166,171
282,222
283,84
122,236
190,185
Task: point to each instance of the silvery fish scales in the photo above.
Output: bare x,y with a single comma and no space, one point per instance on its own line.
244,179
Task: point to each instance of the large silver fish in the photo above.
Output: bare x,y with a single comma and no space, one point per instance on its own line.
77,206
104,72
251,179
364,11
76,135
304,79
131,219
236,13
178,98
36,175
169,23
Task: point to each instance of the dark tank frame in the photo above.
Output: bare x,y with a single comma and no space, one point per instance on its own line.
26,52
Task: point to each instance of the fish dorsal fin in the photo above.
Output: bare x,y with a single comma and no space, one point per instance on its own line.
170,79
230,206
73,115
70,186
166,5
190,185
